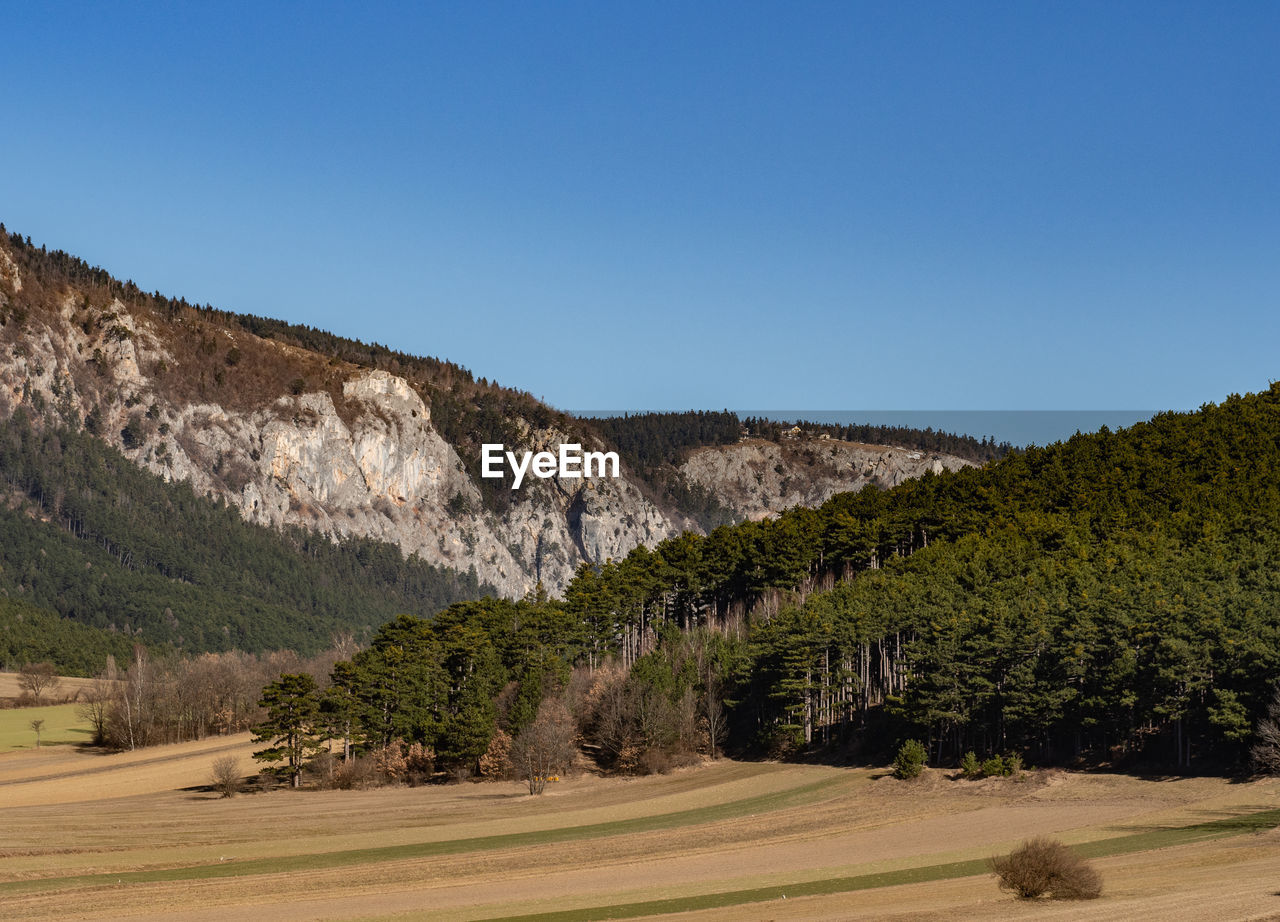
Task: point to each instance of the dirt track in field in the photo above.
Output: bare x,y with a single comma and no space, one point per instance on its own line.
722,827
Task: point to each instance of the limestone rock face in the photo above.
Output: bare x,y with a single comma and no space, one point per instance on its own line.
761,478
377,469
373,466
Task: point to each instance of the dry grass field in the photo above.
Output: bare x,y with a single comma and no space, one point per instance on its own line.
136,836
68,686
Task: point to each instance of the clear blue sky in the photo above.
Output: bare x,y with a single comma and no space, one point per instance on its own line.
827,205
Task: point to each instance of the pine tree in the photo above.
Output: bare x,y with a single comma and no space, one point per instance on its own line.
292,724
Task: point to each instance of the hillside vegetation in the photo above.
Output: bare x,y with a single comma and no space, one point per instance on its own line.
1111,598
105,545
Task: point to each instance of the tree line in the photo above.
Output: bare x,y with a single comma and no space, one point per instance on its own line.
496,687
151,701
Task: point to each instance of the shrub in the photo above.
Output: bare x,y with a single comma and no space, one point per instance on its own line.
1045,866
358,773
1013,764
495,764
226,775
655,762
969,766
390,763
909,762
420,763
993,767
132,435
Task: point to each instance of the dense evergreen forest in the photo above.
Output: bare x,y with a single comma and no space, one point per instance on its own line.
107,545
1114,598
35,635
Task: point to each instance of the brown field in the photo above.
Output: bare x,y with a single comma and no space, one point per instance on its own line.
68,686
135,836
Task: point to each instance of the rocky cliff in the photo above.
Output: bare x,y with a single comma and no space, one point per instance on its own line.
761,478
291,436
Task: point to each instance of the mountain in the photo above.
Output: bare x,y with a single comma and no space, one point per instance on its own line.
295,427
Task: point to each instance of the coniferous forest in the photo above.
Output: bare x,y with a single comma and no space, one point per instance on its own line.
122,555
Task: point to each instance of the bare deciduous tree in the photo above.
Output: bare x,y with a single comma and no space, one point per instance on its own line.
133,711
37,725
37,678
547,746
1266,751
95,703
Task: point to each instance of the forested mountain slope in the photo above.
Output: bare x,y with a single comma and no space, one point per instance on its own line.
1116,596
107,545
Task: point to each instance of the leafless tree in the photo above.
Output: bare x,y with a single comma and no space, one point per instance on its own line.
717,720
37,725
610,716
1266,751
37,678
95,701
226,775
545,747
132,718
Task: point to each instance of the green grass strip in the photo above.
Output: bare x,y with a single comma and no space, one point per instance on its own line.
763,803
1149,840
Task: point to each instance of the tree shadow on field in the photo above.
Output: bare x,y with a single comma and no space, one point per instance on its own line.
201,792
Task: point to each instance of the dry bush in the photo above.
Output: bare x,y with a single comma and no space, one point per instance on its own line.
655,762
495,764
420,763
1043,866
360,772
226,775
629,759
391,763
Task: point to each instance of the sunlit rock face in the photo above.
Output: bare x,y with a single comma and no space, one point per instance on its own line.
761,478
373,466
